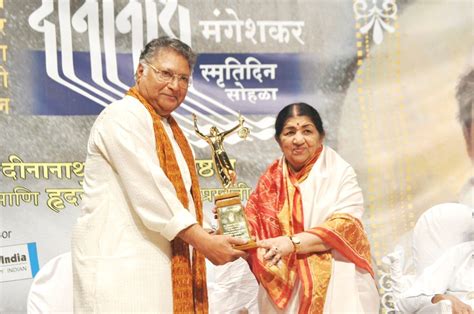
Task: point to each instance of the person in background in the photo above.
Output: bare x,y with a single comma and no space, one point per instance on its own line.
313,255
142,208
448,274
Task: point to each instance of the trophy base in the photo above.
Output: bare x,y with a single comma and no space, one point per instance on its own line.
231,219
247,246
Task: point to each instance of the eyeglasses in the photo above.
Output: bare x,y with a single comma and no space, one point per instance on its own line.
166,76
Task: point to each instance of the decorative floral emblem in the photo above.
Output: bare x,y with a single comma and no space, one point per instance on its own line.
376,18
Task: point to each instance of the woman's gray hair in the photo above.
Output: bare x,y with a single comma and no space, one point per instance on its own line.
162,43
465,97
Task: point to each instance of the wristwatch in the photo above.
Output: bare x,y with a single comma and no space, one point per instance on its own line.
296,243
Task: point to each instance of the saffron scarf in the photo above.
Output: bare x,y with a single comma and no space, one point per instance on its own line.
276,209
189,283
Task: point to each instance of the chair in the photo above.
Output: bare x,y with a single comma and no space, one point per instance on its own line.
432,235
51,289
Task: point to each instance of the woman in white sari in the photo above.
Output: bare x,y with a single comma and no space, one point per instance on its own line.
314,255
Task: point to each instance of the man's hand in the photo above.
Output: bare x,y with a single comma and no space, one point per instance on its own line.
458,307
220,250
216,248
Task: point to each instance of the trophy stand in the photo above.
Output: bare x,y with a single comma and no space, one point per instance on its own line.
230,212
231,218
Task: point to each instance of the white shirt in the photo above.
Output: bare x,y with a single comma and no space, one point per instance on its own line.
452,273
121,244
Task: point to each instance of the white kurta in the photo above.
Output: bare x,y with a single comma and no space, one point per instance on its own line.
234,289
452,274
121,244
438,229
331,187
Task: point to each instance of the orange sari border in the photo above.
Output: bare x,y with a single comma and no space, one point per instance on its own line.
346,234
316,281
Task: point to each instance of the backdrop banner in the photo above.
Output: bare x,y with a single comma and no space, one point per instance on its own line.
382,74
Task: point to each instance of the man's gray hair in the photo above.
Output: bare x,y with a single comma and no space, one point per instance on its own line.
465,97
163,43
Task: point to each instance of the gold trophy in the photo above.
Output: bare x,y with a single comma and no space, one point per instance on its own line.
230,212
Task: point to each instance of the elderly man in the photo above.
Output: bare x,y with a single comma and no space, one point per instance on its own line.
142,207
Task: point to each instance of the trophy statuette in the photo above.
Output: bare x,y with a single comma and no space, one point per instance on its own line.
230,212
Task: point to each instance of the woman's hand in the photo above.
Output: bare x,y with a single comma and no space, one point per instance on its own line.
276,248
281,246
